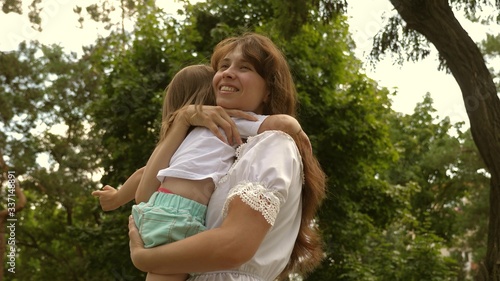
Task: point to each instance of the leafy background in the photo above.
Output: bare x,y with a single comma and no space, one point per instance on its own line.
406,192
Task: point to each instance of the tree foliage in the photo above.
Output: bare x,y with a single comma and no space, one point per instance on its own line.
47,144
402,186
429,21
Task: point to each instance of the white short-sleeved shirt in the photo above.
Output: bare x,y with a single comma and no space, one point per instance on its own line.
268,176
202,155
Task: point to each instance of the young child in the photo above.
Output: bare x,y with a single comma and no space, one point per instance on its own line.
191,85
177,208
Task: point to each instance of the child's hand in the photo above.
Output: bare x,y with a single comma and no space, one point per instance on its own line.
213,117
108,197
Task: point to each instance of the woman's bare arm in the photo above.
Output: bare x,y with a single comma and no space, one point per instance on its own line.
214,249
241,233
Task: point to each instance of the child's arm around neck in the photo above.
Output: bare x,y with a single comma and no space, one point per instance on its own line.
289,125
281,122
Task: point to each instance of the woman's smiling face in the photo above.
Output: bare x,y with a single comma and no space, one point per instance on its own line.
238,85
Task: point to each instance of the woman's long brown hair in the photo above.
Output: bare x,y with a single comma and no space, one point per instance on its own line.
308,253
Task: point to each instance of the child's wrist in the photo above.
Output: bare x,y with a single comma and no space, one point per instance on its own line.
184,115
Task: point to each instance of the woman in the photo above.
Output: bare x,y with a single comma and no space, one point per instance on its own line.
261,215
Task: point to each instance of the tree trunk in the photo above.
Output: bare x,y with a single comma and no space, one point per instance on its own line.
435,20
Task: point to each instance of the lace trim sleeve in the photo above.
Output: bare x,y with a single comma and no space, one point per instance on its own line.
258,198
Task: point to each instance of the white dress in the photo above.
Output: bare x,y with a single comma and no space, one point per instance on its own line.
268,176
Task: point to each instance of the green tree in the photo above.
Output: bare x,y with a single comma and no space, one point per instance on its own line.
472,224
45,141
423,21
429,158
110,101
137,68
443,167
58,107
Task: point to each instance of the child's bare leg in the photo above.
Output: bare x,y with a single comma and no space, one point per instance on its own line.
172,277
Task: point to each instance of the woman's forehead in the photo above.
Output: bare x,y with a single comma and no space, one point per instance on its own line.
234,54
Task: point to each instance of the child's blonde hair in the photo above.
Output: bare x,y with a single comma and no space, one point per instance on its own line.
191,85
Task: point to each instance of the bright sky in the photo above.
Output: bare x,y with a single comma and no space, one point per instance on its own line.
412,80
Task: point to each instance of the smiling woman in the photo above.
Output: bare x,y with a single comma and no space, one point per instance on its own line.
238,85
248,56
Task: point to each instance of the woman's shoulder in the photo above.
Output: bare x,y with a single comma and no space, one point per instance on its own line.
269,144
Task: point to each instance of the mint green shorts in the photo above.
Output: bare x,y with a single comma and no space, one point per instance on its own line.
167,217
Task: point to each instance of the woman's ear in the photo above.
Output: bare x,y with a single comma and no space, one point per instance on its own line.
266,97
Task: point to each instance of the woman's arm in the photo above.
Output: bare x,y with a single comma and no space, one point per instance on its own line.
228,246
248,216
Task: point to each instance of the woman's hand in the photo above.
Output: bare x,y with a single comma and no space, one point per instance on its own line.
136,244
213,117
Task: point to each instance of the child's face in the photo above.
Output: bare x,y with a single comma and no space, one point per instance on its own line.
238,85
